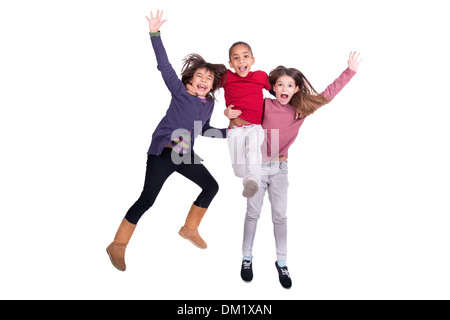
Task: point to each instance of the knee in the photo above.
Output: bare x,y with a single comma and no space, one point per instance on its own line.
252,215
211,188
208,193
279,220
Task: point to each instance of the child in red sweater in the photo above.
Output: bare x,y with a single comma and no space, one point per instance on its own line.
243,92
245,100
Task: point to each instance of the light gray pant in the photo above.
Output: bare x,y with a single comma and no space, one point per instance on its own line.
244,145
274,179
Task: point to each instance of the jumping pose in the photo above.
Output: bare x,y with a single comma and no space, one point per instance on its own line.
171,148
295,100
245,100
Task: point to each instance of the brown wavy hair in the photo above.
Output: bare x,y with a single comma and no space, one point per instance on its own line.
306,100
193,62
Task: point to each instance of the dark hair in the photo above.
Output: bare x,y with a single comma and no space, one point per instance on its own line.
306,100
239,43
193,62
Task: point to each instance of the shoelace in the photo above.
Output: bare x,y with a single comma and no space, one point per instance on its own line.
247,265
285,272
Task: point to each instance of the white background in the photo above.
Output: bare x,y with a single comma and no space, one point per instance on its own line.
80,96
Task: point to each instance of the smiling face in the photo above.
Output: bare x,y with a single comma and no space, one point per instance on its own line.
202,81
241,60
284,89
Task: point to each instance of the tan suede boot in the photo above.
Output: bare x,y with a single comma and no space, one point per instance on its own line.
116,250
190,229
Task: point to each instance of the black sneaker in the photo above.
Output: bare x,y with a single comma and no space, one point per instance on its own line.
246,271
283,274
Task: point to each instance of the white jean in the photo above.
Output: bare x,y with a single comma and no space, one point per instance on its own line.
244,145
274,180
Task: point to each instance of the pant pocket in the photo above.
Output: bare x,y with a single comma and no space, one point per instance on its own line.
284,167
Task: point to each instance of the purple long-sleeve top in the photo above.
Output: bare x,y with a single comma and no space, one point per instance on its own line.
185,112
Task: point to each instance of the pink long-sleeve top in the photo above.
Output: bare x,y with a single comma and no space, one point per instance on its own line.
280,120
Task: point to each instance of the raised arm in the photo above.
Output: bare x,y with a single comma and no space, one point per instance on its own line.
333,89
169,75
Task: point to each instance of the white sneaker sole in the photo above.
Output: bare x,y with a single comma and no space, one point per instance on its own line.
250,188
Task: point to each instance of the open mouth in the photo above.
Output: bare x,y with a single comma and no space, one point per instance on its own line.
284,96
242,68
201,87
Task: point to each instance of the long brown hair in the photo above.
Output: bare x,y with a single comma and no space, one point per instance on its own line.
306,100
193,62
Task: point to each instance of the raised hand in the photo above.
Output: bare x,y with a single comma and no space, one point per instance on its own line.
154,23
353,62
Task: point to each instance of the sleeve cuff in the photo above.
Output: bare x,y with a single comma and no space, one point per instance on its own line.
155,34
351,71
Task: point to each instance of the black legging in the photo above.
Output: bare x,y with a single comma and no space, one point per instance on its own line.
159,168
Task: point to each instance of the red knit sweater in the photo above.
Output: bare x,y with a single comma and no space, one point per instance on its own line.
246,94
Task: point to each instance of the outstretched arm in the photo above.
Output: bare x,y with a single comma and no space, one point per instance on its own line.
169,75
333,89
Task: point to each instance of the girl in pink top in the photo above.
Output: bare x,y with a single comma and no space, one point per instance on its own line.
283,117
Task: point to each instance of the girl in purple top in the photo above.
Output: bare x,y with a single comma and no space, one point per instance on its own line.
283,116
171,149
